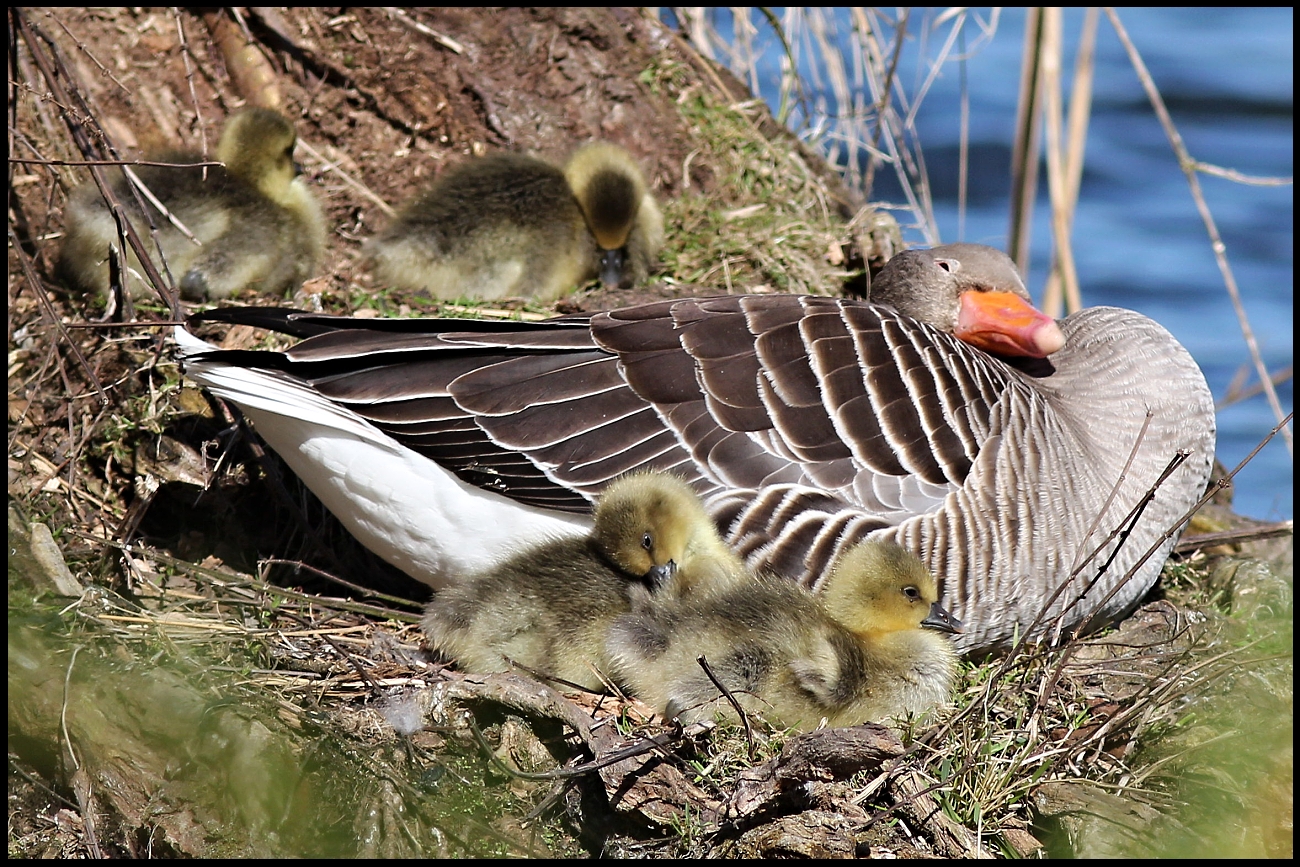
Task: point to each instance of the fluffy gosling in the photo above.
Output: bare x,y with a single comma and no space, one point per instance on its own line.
549,607
259,226
620,211
884,595
861,652
513,225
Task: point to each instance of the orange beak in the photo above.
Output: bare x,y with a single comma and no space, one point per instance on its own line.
1006,324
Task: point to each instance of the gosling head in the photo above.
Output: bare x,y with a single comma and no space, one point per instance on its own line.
876,589
257,146
613,197
973,292
647,524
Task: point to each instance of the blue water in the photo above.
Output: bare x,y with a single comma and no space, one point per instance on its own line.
1226,76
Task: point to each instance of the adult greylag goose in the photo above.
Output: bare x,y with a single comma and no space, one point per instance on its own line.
549,606
866,649
806,423
514,225
258,225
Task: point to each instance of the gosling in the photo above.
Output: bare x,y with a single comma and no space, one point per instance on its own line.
861,651
620,211
258,225
514,225
548,608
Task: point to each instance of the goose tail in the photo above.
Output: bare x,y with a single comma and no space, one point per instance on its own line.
398,503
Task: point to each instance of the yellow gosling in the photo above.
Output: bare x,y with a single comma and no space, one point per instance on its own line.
677,527
620,211
860,653
884,595
549,607
259,227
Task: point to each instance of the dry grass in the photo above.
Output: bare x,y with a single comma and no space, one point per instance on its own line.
771,224
1022,726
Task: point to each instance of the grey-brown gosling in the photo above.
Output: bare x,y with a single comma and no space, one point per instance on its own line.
259,226
866,649
514,225
549,607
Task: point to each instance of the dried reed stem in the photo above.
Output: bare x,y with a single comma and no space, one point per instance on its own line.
1190,168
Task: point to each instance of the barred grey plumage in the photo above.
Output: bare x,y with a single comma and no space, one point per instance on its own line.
806,423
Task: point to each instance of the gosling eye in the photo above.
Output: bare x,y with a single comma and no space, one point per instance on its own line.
647,541
912,593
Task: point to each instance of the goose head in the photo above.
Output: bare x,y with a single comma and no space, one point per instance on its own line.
971,291
653,527
618,208
877,589
257,146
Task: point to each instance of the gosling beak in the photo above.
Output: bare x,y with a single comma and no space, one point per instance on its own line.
1006,324
658,576
611,266
940,620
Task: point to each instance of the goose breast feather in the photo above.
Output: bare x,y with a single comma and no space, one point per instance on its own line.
806,423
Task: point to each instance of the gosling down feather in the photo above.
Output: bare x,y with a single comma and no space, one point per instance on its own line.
549,606
257,224
514,225
807,424
867,649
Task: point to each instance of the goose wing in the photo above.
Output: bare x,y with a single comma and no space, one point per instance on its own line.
838,395
397,375
816,406
733,393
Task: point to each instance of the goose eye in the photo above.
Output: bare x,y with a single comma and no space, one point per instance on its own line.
647,541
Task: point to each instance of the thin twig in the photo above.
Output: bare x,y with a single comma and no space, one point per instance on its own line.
168,165
1236,394
445,41
1124,530
1241,177
259,585
645,745
329,165
1242,534
1189,167
47,311
143,189
1079,565
81,44
189,79
356,588
1209,495
339,649
55,73
740,711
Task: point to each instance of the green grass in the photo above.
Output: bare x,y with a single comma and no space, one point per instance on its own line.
765,224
